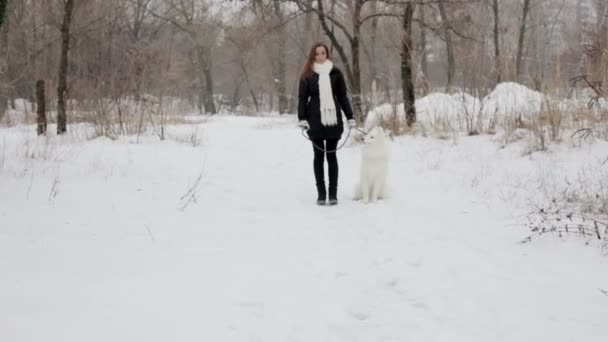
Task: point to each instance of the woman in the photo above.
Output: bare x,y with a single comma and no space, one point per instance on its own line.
322,98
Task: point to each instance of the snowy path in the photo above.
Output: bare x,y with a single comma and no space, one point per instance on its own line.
111,258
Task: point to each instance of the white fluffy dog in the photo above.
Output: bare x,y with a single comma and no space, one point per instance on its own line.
374,167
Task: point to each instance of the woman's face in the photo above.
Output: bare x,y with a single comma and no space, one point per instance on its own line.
320,55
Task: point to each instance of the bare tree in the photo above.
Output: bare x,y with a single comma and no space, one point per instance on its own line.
244,43
371,48
137,20
3,59
63,67
406,64
40,108
274,11
190,17
279,69
424,60
497,62
602,22
3,4
520,41
136,15
448,43
596,51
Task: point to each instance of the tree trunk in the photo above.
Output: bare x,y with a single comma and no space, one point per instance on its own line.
602,23
449,45
279,77
293,102
579,21
304,41
205,79
254,98
498,64
424,63
2,11
306,36
209,103
602,34
63,68
281,86
520,41
308,20
40,108
356,79
407,82
4,51
372,54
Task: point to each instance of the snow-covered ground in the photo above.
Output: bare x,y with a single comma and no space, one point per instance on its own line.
100,240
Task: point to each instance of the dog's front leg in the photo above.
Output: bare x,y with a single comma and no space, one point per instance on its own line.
365,191
375,192
379,191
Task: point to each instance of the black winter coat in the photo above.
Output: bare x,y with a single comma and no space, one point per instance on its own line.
309,105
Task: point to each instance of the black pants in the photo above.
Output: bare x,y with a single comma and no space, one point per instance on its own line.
332,163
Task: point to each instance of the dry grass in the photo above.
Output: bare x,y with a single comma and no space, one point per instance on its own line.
114,117
392,122
193,138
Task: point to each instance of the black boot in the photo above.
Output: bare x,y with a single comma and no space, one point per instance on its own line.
318,163
333,195
322,195
332,162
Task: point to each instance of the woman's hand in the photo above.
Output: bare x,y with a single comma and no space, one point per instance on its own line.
304,124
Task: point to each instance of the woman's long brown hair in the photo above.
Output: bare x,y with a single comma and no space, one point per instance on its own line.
307,68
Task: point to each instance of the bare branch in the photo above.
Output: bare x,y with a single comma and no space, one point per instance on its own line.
322,16
371,16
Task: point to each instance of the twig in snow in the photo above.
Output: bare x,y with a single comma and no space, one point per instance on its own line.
29,187
150,232
53,192
190,195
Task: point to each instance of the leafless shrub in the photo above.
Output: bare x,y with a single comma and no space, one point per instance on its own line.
579,208
554,219
510,129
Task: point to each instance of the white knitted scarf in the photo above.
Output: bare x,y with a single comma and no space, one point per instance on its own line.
328,106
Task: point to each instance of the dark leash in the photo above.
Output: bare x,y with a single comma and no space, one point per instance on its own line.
332,151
